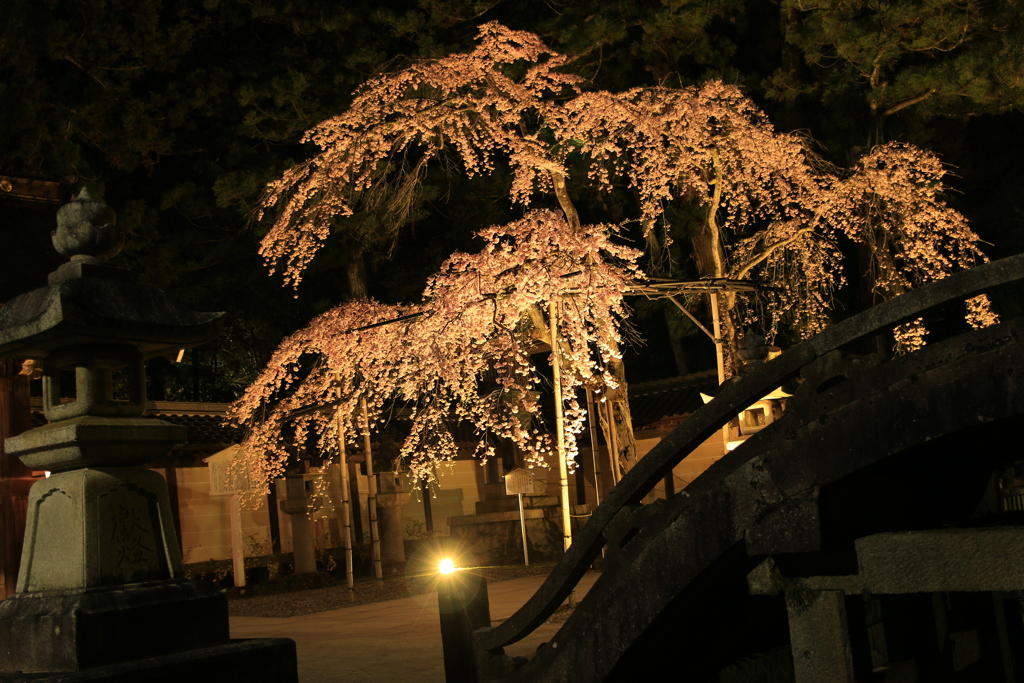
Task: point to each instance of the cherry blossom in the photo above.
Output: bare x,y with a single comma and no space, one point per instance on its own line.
429,360
773,212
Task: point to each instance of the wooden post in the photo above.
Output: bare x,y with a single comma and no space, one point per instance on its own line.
563,471
716,320
819,637
346,508
522,527
237,549
371,490
462,602
592,419
563,468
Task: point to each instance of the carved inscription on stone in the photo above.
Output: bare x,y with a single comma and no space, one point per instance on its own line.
129,548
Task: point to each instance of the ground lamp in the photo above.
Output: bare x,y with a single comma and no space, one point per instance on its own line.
101,586
463,605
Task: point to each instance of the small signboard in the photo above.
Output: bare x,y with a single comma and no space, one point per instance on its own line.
221,484
230,484
519,482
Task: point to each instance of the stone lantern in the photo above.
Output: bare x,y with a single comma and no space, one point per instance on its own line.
101,580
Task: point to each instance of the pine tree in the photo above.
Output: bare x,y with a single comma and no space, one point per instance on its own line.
919,59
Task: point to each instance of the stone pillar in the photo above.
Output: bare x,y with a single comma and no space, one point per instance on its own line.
297,509
390,501
818,636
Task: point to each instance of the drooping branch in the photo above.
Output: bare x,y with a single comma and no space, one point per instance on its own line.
708,146
767,251
429,357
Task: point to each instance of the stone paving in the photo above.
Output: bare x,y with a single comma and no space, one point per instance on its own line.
392,641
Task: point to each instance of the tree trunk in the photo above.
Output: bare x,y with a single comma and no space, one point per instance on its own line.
676,342
356,272
563,466
876,133
618,399
792,63
708,255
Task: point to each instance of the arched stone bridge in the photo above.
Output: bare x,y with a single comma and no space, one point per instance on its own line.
780,562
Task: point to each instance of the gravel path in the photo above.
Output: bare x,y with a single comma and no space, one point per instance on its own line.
293,604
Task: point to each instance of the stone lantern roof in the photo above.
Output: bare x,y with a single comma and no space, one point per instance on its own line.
89,301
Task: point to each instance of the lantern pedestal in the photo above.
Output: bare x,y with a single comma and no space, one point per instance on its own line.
101,577
259,660
101,592
80,629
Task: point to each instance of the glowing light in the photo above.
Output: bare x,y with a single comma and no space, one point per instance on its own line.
446,566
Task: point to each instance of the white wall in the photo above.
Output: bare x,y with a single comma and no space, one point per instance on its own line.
205,526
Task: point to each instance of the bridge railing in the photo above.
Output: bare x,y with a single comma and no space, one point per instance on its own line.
654,466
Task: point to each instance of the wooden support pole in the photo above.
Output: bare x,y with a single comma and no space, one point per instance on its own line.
819,638
613,443
716,320
371,490
346,506
592,420
522,528
237,549
563,466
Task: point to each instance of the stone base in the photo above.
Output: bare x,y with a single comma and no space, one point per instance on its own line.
511,504
496,537
93,628
263,660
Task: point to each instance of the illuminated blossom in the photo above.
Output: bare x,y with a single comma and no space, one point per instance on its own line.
473,322
772,212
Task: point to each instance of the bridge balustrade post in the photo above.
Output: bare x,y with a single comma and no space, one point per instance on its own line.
462,601
819,636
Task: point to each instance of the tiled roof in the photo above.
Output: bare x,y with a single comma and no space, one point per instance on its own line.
204,430
664,399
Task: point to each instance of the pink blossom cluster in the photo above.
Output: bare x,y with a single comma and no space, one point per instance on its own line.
482,315
772,212
466,103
